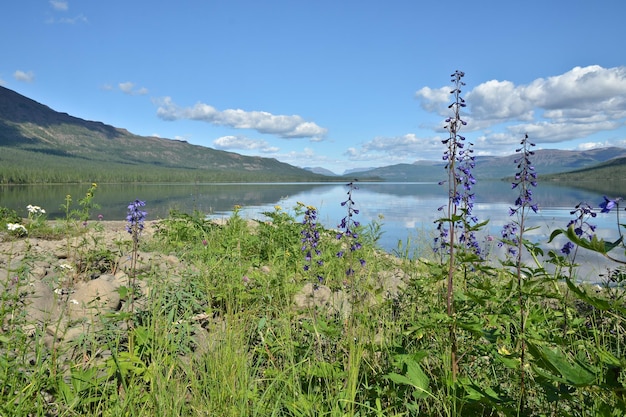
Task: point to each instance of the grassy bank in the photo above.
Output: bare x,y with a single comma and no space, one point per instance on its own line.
264,318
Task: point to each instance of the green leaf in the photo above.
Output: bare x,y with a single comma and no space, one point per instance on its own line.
123,292
595,244
560,368
607,357
477,393
414,376
554,234
66,392
597,302
511,363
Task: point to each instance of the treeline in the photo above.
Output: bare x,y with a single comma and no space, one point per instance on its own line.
22,167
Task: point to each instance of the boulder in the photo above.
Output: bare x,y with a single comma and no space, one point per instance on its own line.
93,297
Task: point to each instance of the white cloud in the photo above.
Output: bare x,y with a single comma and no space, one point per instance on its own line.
498,100
592,145
126,87
435,101
287,127
59,5
577,104
2,82
129,88
63,6
27,77
241,142
400,149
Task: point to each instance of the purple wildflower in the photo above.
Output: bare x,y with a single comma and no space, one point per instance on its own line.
567,248
607,205
310,241
135,218
348,227
525,179
580,224
460,162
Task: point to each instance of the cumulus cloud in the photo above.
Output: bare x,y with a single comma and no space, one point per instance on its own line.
287,127
24,76
572,105
241,142
434,100
129,88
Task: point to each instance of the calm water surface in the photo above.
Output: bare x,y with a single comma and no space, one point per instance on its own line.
407,210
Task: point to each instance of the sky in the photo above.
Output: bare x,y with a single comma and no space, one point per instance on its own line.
338,84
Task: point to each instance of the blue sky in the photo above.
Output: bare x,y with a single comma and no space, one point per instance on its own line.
336,84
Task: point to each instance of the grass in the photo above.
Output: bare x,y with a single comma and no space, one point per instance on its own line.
226,338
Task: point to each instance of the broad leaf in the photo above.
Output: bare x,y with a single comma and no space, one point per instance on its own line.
414,376
559,367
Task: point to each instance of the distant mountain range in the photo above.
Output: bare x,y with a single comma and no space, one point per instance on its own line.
545,161
77,150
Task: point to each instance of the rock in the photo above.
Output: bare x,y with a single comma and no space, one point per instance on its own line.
312,296
340,304
39,270
40,303
93,297
393,282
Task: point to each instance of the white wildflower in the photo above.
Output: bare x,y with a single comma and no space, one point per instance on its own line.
16,227
35,209
67,267
73,301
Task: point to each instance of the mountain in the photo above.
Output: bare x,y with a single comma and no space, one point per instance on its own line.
36,141
612,170
545,161
320,170
607,177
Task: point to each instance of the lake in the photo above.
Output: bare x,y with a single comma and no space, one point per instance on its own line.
407,210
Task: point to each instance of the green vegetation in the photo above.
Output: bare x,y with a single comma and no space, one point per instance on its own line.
614,169
18,166
224,334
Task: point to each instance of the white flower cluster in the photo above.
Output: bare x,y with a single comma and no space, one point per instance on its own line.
16,227
35,209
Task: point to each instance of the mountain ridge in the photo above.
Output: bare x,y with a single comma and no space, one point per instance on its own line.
545,161
29,128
